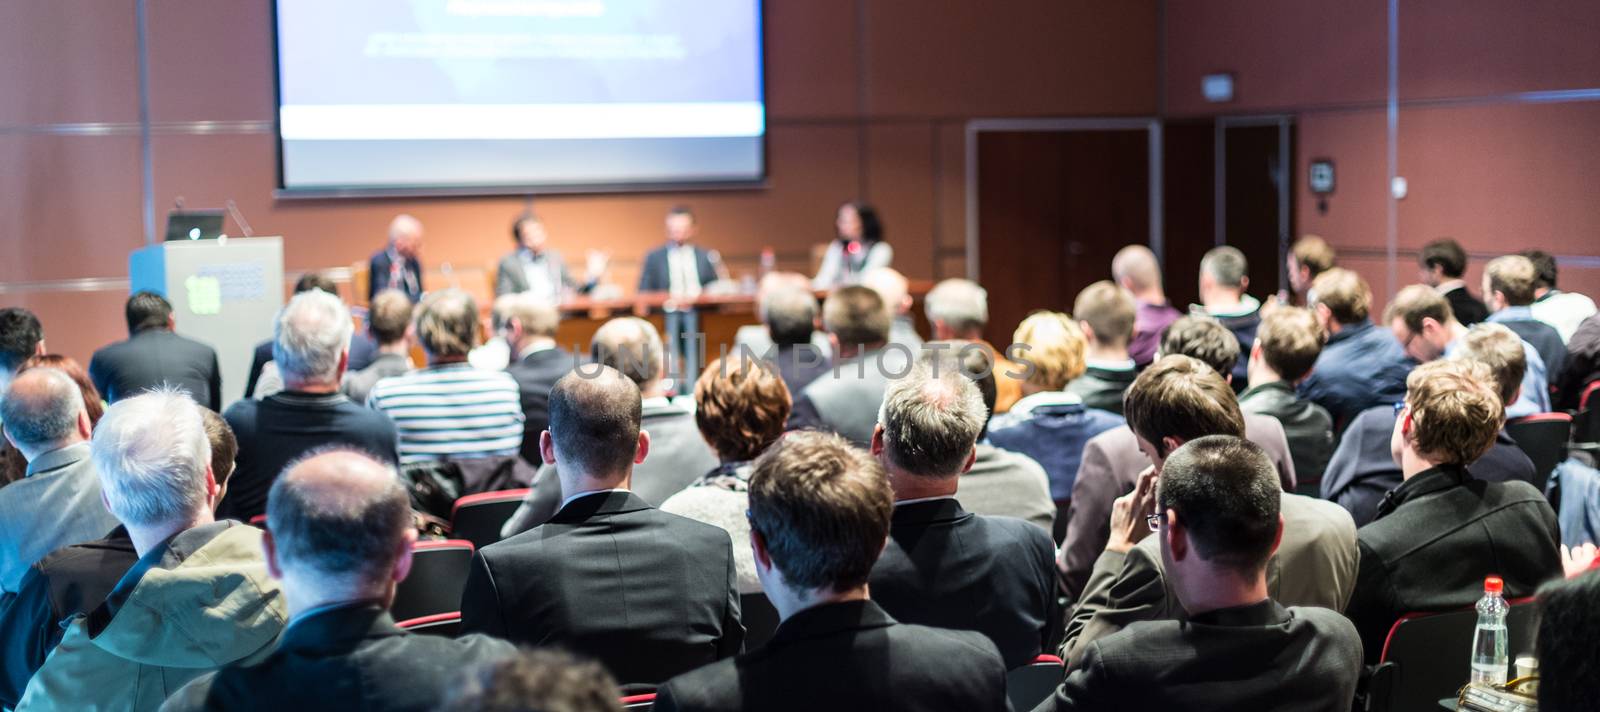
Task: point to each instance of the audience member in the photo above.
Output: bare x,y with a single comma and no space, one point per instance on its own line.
537,362
154,356
1224,277
388,323
1443,264
958,310
845,399
896,293
311,346
787,335
363,349
536,681
1288,343
1428,330
1562,310
647,593
339,537
1308,258
1442,530
1106,315
1509,286
1177,400
1569,623
1583,366
1219,518
1134,268
1112,460
450,410
819,517
1362,365
13,466
58,501
1050,423
678,455
1000,482
494,354
396,266
940,558
21,337
740,408
200,597
1363,468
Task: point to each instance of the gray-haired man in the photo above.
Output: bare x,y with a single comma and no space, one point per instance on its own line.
339,538
311,348
941,558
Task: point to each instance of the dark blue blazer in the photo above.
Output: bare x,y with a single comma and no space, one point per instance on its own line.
1362,366
378,276
655,276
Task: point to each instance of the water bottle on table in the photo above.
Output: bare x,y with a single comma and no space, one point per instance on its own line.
1489,659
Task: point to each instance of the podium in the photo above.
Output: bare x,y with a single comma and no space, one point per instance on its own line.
225,293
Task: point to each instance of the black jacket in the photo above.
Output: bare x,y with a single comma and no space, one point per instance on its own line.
536,375
948,568
655,277
1583,365
1467,308
349,657
1545,340
848,656
1257,657
69,581
1437,537
154,357
647,593
1308,427
378,276
1103,387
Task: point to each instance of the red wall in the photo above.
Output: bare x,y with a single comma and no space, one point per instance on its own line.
1493,170
867,98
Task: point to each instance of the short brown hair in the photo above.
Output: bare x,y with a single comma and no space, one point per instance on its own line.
822,507
447,323
1455,413
1513,276
1500,349
630,345
1055,348
1344,293
1204,338
1107,310
224,446
594,421
537,316
856,315
1418,302
1313,253
741,406
389,316
541,679
1291,340
1181,397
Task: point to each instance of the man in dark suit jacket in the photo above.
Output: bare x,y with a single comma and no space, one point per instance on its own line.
537,362
340,538
647,593
1509,285
154,356
1216,510
819,516
681,270
1443,262
946,567
396,265
1442,531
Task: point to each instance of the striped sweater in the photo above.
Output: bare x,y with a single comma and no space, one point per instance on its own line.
452,412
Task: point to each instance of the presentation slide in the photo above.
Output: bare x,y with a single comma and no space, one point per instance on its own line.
555,94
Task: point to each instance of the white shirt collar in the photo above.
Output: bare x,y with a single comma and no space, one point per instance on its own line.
569,500
1026,404
923,499
1450,285
536,347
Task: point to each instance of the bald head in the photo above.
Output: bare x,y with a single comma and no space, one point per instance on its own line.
1134,268
632,346
892,286
338,519
594,426
42,411
405,234
931,420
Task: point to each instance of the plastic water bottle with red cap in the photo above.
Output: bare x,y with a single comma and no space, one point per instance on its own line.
1489,659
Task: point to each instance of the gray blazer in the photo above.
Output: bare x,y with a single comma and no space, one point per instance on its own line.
510,279
845,399
57,504
678,456
1315,565
1002,483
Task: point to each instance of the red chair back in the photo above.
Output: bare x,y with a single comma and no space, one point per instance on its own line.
1031,684
639,702
1427,656
478,517
1588,392
438,577
446,625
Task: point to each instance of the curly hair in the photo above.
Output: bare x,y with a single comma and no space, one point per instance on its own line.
741,406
